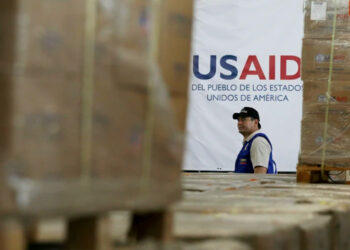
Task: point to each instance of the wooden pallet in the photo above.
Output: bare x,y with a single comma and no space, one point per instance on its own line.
12,235
313,174
265,211
229,211
91,232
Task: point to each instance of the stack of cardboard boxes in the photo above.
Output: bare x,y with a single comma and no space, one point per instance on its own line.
43,82
316,57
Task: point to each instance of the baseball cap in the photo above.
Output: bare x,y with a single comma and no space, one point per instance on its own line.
247,112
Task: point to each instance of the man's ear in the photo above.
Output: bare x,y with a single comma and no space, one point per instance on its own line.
256,121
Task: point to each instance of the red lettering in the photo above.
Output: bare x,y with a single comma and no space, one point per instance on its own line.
284,60
339,58
341,98
342,16
272,63
337,140
246,70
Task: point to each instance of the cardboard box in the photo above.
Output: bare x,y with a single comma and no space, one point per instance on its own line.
124,33
336,144
175,44
45,144
315,92
7,49
319,19
316,58
179,106
45,131
7,200
337,139
120,131
8,33
172,54
338,114
49,43
129,61
50,37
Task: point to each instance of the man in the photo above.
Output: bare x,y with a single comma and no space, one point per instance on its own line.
256,153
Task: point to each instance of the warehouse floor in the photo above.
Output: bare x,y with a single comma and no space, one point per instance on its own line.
245,211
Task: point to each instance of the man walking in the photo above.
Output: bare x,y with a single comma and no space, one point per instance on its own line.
256,153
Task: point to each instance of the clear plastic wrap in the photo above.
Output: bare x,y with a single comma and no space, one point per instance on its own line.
325,135
89,121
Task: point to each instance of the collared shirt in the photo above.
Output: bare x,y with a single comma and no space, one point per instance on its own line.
260,150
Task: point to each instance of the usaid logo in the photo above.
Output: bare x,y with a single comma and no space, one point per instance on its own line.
320,58
252,67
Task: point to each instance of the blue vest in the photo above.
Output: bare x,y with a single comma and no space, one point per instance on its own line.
244,163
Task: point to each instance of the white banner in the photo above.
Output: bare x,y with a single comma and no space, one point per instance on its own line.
245,53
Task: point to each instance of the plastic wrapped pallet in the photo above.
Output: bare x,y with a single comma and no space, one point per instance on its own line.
89,121
325,135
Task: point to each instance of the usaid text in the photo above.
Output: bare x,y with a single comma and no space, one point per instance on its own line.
225,67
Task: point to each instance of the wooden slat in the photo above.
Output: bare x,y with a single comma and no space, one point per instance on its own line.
89,233
312,173
152,225
12,235
326,168
220,244
260,211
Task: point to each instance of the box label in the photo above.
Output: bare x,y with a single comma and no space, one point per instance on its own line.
318,11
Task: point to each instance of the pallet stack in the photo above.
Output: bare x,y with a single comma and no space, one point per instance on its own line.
325,136
263,212
250,211
90,90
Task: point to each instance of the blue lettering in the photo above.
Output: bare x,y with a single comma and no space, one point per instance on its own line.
196,68
229,67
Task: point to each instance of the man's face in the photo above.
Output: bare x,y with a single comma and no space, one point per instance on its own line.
247,125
